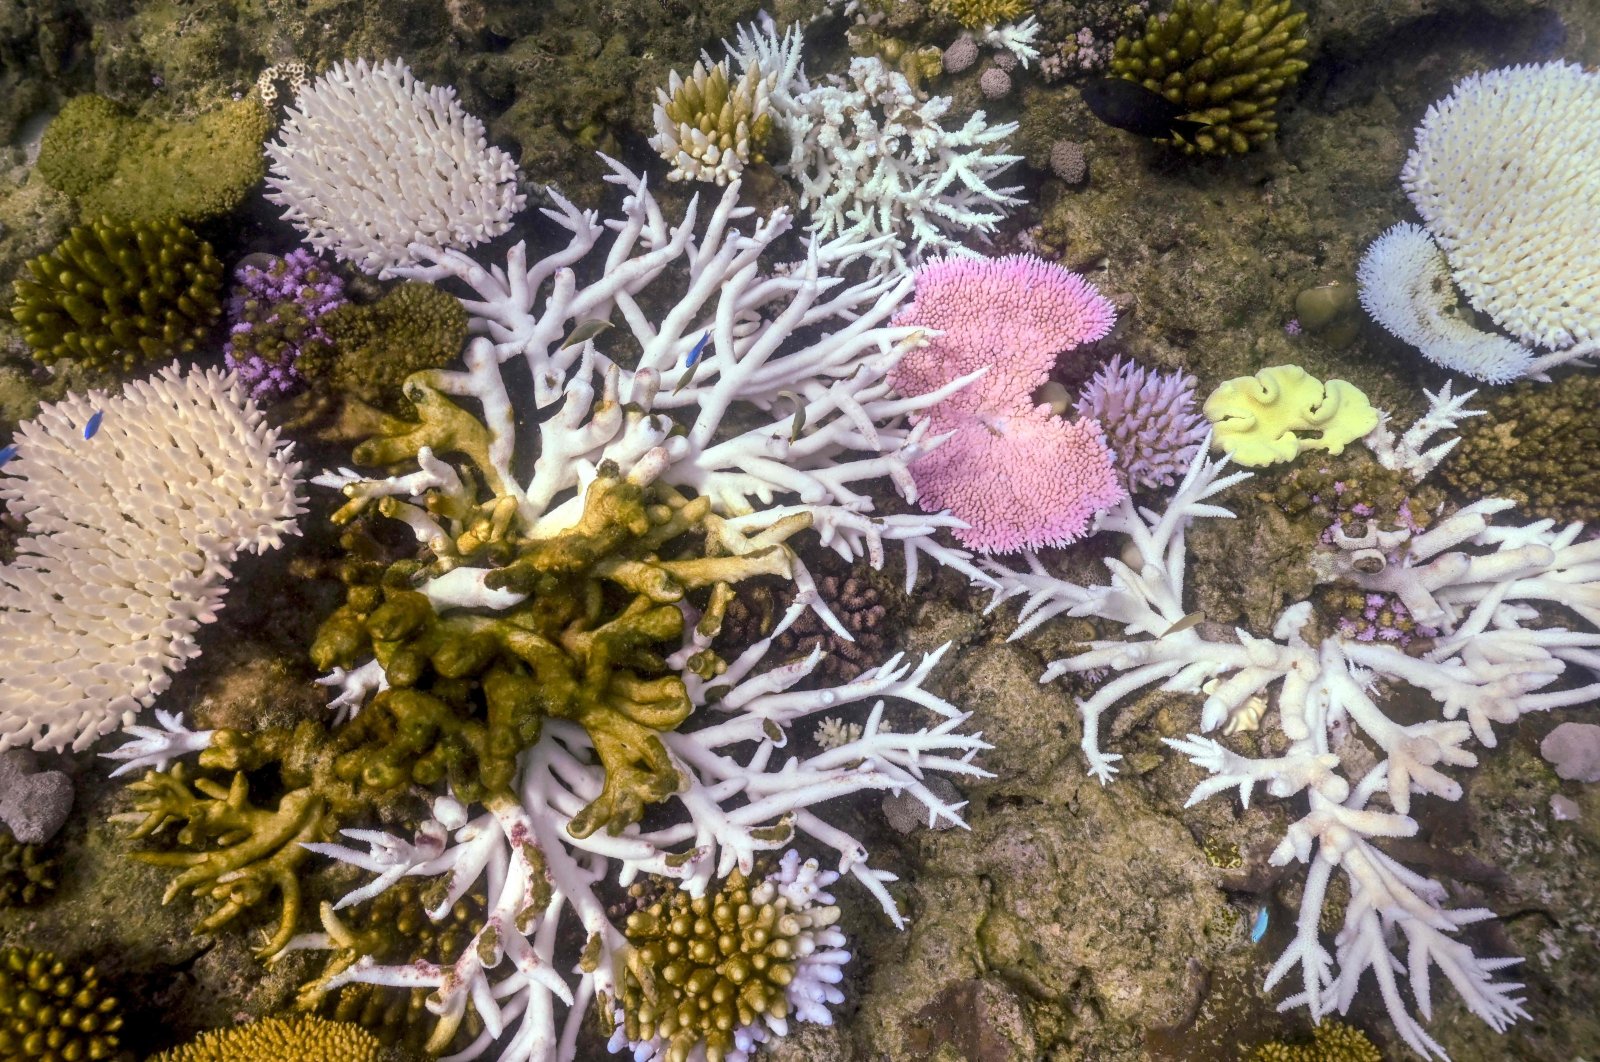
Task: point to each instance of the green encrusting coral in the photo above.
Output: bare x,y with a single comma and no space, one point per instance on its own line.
1227,61
302,1039
115,165
1537,444
114,294
1331,1041
373,348
51,1012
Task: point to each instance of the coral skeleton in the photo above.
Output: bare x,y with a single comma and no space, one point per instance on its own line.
1480,583
370,161
136,505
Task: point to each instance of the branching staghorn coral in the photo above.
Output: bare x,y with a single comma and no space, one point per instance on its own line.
1480,584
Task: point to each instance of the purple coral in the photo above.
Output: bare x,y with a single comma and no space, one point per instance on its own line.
273,315
1149,419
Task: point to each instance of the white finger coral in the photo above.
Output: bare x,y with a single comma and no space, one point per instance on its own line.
370,161
135,506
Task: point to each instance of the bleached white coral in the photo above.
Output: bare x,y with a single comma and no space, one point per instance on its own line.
1405,286
1506,175
370,162
1018,38
135,506
1476,581
877,166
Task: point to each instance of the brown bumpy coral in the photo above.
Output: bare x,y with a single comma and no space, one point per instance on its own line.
1331,1041
304,1039
854,599
114,294
28,872
699,968
1227,61
371,349
1538,445
50,1012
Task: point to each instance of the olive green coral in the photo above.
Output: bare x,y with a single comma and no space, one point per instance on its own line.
1538,445
50,1012
372,348
1331,1041
700,968
1226,61
304,1039
114,294
115,165
29,873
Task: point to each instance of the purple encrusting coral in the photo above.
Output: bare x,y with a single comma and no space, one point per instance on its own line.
1384,618
273,313
1149,418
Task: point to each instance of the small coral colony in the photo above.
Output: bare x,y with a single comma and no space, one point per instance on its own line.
573,807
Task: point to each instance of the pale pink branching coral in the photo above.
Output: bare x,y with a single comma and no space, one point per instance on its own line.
1019,476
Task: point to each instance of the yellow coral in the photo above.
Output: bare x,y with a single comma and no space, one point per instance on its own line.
1332,1041
975,14
709,127
303,1039
1256,417
1225,60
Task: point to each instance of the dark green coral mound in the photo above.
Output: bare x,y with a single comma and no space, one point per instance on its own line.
115,294
29,873
371,349
131,169
1537,444
51,1012
1227,61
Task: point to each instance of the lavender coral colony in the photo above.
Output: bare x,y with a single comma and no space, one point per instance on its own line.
586,780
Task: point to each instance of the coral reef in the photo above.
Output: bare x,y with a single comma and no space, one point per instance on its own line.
129,169
372,161
29,873
373,348
1256,418
981,14
1016,474
114,294
304,1039
1538,446
52,1012
274,318
712,974
1227,61
1331,1041
135,506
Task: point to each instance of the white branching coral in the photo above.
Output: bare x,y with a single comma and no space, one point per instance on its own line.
1506,175
1405,286
1481,584
376,167
135,505
876,163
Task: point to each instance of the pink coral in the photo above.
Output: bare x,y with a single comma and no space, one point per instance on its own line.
1020,477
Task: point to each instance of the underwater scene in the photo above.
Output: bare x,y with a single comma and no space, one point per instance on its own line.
832,531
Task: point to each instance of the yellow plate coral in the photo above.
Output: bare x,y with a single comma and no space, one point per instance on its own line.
1255,418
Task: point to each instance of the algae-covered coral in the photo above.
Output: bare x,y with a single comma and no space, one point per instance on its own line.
114,294
1226,61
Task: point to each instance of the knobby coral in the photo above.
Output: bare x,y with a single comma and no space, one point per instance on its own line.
1226,61
710,128
53,1012
114,294
303,1039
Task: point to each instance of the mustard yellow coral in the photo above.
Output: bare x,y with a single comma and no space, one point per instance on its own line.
975,14
1226,60
709,127
1256,418
1331,1041
302,1039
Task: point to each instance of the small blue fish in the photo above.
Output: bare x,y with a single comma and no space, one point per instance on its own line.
694,355
93,426
8,453
1258,928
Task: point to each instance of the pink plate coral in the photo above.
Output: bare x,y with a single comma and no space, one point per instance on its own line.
1018,475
